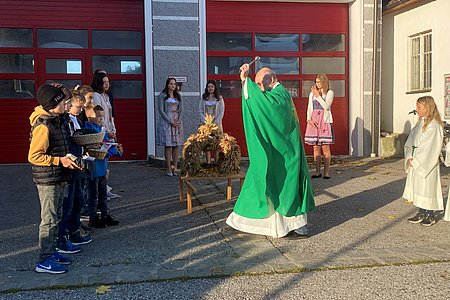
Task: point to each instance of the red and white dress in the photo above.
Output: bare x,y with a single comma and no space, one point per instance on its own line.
319,111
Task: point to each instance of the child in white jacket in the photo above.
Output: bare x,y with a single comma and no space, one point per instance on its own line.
447,164
422,150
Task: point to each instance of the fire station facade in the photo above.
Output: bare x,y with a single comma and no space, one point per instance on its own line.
140,43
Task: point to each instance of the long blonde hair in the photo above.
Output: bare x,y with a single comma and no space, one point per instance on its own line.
325,83
432,111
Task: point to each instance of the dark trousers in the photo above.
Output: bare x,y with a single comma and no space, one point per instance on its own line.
70,221
83,199
96,196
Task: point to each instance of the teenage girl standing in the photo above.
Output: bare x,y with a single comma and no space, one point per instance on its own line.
319,129
212,104
170,127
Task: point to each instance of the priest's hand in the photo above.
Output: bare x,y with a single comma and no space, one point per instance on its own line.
244,69
409,162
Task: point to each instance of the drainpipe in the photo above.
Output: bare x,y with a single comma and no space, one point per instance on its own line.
374,65
202,36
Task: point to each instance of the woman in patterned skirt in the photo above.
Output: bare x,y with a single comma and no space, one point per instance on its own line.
319,130
170,127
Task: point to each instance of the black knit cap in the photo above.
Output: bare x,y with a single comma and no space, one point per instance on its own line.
50,96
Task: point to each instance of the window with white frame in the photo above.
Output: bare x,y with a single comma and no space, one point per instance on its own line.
420,62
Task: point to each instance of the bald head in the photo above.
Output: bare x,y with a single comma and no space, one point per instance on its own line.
265,79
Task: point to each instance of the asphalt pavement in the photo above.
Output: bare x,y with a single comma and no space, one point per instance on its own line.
360,245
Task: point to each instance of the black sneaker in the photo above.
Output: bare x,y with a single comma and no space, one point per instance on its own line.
97,222
295,236
418,218
428,221
109,220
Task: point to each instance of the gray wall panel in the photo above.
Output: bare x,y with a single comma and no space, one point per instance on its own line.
180,63
175,33
175,9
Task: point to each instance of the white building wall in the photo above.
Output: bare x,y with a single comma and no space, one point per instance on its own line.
397,27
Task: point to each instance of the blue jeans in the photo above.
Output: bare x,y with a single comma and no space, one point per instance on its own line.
83,199
96,196
70,221
51,199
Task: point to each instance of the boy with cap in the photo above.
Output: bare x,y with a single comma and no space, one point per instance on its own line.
51,165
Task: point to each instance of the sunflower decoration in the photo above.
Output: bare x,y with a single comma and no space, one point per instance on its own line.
208,138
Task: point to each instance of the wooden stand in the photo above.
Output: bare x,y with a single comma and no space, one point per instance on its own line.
187,179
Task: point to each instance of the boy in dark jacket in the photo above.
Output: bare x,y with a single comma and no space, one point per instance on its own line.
69,237
49,144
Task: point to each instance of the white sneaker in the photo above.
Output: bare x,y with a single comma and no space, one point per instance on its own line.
111,195
108,188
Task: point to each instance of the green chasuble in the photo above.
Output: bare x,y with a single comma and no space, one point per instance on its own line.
278,171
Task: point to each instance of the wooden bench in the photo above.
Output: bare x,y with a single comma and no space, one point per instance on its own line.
188,180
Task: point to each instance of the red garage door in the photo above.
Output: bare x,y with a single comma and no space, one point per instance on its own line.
296,40
65,41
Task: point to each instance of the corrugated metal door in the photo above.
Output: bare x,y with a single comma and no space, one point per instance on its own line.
299,40
81,31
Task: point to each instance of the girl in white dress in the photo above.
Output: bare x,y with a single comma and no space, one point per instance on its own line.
100,84
212,104
422,150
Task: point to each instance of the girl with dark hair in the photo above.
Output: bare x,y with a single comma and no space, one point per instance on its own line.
170,127
100,84
212,104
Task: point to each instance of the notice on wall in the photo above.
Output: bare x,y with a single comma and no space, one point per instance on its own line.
179,79
447,96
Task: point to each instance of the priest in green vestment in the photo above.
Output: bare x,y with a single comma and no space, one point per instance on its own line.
277,192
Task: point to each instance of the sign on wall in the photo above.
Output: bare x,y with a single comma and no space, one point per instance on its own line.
179,79
447,96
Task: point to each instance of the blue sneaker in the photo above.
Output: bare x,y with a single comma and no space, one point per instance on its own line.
49,265
61,259
68,247
77,239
